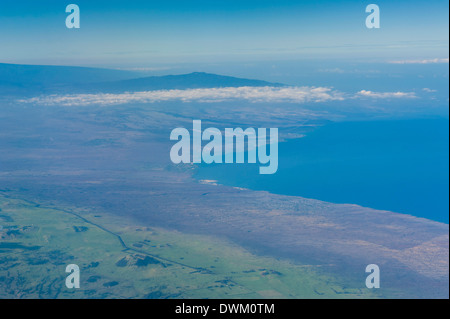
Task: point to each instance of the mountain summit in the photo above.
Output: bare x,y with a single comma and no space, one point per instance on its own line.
194,80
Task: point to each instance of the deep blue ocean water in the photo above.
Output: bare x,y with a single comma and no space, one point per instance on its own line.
398,165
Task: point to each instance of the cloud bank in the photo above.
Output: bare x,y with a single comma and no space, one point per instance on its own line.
298,95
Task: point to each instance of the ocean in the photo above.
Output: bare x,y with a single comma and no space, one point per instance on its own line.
396,165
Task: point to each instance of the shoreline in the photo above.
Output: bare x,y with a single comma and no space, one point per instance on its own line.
237,176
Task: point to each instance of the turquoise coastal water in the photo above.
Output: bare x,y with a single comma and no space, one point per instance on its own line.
399,165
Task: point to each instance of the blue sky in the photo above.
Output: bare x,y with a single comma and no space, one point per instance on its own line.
141,33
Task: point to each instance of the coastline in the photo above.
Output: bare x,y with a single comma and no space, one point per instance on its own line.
297,180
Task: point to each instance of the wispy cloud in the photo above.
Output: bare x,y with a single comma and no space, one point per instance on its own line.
146,69
425,61
214,95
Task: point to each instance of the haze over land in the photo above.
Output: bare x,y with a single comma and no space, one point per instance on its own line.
101,149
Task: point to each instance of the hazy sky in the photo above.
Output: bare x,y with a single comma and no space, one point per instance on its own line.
141,33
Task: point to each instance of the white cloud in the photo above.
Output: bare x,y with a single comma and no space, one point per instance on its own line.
251,94
386,95
213,95
425,61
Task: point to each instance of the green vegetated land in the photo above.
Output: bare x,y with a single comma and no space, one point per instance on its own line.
120,260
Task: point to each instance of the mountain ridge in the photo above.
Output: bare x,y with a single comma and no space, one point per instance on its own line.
30,80
192,80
